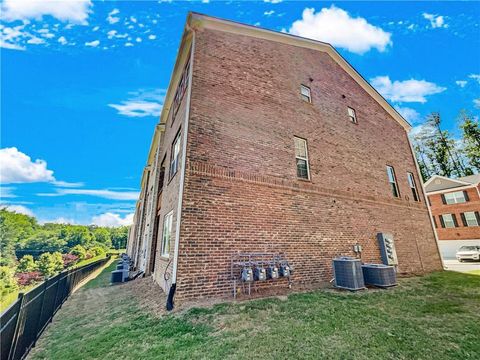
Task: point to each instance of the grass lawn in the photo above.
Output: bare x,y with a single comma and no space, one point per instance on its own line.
432,317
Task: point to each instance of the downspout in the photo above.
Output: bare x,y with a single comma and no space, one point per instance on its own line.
173,286
432,224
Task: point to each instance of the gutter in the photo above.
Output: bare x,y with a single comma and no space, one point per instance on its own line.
173,286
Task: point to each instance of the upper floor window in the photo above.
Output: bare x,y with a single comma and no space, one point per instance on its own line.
470,218
182,86
174,156
393,181
306,93
413,186
352,115
301,156
456,197
448,220
167,233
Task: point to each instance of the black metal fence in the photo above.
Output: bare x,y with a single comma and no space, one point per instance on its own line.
24,321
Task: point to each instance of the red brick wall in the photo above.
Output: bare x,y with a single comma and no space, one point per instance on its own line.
241,191
461,232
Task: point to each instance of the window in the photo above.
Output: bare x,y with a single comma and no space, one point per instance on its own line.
182,86
470,218
393,181
174,156
306,94
448,220
352,115
413,186
301,155
456,197
167,233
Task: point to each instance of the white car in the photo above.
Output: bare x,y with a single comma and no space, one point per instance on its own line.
468,253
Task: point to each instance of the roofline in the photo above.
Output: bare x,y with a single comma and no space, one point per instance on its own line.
458,188
444,178
198,20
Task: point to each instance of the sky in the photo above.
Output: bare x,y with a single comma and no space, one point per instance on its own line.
83,83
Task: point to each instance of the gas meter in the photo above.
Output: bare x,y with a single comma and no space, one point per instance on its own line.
272,272
285,270
260,274
247,274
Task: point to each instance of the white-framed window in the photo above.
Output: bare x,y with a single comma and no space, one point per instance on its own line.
306,93
301,157
448,220
352,115
456,197
470,219
174,157
393,181
167,233
413,186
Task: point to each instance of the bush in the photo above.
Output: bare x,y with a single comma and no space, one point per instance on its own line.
29,278
69,260
26,264
49,264
8,283
97,251
79,251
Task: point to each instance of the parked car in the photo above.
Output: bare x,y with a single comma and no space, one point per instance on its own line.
468,253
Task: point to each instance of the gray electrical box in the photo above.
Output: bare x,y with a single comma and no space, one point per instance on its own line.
387,249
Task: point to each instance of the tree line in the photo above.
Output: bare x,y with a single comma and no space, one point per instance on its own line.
438,153
31,252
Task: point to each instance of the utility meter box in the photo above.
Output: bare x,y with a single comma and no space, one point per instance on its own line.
272,272
260,274
247,274
387,249
285,270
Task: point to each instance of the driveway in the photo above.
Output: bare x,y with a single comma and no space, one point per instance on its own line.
455,265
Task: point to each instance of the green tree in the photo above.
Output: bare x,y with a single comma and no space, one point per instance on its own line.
102,236
79,250
26,264
77,235
471,138
119,237
14,230
8,283
97,250
44,240
49,264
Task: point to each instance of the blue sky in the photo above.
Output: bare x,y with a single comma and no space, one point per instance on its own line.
82,83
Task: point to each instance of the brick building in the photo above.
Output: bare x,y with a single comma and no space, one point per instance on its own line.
270,142
455,208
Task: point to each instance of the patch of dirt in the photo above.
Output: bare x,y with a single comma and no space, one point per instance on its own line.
148,294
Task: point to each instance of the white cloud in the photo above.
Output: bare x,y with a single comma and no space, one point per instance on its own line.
475,77
20,209
113,19
152,37
405,91
409,114
269,13
11,46
142,103
59,220
62,40
76,11
133,19
273,1
138,39
476,103
17,167
127,44
112,220
337,27
461,83
67,184
35,40
436,21
93,43
102,193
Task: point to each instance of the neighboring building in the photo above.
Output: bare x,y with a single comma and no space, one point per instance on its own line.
269,142
455,207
